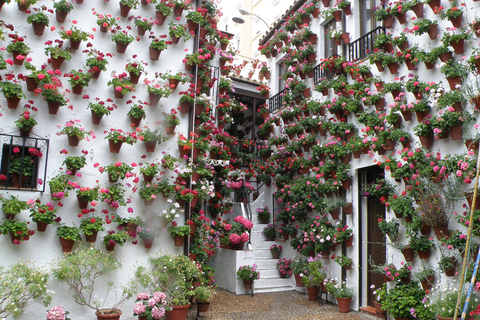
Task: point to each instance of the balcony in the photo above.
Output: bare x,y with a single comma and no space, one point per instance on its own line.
360,48
275,102
321,73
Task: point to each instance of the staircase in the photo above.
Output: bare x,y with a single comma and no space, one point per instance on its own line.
270,280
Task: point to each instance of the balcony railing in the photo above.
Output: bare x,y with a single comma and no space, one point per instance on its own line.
321,74
360,48
275,102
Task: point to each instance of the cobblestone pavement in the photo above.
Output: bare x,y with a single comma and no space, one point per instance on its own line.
290,305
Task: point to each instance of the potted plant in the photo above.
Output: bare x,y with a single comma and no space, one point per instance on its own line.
74,163
121,84
62,8
112,238
18,49
276,250
86,195
126,5
389,228
18,231
86,267
400,300
150,306
248,274
270,232
344,261
299,266
43,214
284,266
426,276
23,284
59,186
175,275
156,47
117,170
178,233
263,214
176,31
68,235
313,278
39,20
74,131
75,35
122,39
13,92
342,293
147,234
203,297
116,137
90,227
106,22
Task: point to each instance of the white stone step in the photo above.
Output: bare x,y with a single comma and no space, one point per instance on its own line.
276,289
264,253
266,264
275,282
268,273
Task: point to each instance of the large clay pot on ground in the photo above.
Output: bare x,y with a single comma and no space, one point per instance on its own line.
110,314
313,293
344,304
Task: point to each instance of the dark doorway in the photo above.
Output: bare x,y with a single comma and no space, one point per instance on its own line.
376,250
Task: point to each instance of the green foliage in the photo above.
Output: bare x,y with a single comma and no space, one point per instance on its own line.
21,285
85,268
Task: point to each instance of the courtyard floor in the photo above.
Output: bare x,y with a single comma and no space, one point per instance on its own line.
290,305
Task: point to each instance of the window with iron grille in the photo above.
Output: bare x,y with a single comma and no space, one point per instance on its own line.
23,163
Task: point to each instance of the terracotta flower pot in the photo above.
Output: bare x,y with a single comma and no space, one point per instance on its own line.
344,304
298,280
313,293
109,314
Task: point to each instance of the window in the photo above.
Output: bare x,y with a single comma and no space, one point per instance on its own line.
330,46
23,162
281,72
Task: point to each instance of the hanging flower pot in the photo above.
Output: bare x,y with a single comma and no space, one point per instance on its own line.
347,10
433,4
177,11
67,244
418,9
388,22
427,283
38,28
441,231
433,31
96,118
406,114
53,107
456,132
124,10
41,226
408,253
57,62
458,46
150,146
426,141
160,18
345,37
154,54
349,242
91,237
457,22
424,254
134,78
337,15
402,18
110,247
326,3
393,67
13,102
61,16
453,82
121,47
114,146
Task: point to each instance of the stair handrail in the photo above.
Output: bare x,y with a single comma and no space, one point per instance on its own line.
247,208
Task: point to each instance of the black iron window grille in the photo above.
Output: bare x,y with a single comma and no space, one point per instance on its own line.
23,163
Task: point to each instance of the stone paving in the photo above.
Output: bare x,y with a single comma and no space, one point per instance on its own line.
291,305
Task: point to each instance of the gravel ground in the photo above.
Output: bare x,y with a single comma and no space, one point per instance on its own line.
278,305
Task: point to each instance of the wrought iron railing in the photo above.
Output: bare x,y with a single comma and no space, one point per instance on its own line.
360,48
320,74
23,162
275,102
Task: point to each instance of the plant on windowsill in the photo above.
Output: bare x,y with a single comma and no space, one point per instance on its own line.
22,166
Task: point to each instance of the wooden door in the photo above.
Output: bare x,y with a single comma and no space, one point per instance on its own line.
375,244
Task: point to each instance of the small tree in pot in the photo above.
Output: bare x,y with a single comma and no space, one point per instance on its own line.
83,269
